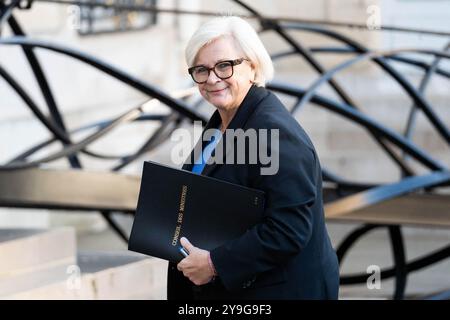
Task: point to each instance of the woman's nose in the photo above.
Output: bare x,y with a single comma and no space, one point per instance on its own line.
213,78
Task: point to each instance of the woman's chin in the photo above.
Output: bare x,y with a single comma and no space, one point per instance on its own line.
218,102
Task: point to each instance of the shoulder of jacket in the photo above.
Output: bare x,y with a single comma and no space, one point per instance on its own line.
272,114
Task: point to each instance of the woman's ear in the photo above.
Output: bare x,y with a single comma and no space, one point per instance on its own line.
253,70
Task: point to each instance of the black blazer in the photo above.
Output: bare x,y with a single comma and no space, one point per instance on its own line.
289,254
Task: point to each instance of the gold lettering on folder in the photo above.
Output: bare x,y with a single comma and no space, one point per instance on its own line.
177,232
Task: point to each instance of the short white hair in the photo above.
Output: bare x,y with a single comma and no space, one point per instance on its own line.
244,36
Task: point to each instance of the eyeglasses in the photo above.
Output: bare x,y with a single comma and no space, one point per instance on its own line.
222,69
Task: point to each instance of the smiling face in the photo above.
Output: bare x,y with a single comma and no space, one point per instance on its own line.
226,94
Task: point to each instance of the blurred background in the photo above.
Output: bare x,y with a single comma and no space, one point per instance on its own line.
61,254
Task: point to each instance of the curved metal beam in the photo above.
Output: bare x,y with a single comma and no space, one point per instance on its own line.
385,192
348,50
102,124
418,98
406,85
399,257
126,117
364,121
423,84
351,238
6,11
120,75
414,265
55,130
45,88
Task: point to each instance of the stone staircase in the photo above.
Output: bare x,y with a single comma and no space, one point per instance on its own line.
45,264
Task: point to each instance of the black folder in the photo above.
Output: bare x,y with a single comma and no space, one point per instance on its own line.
175,203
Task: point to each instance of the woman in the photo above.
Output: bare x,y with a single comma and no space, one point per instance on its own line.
288,255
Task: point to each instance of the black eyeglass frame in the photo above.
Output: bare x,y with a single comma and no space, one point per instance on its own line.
233,63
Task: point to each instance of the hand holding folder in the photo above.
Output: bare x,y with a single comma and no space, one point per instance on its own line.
174,203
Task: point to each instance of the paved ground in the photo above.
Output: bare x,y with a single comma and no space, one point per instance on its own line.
373,249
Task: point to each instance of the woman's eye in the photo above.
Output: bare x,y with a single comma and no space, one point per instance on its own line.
201,70
223,66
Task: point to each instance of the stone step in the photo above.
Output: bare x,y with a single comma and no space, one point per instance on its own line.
103,276
28,254
25,250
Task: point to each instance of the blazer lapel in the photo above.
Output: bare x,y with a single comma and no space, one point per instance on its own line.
247,107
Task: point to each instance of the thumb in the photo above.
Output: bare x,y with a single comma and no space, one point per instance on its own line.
186,244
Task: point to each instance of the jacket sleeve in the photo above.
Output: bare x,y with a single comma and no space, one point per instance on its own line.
287,223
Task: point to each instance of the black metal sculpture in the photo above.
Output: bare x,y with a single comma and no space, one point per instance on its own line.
377,206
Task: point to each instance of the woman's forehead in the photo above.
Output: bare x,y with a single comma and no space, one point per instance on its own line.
223,48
